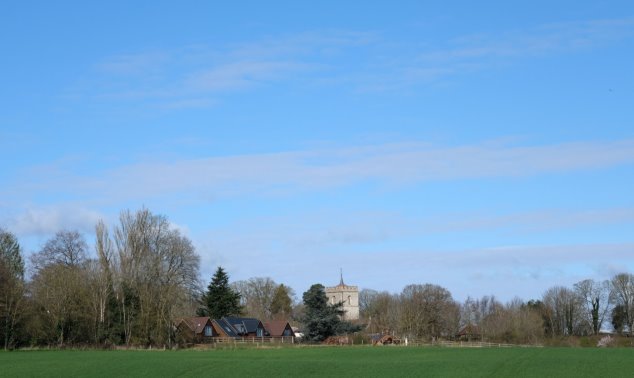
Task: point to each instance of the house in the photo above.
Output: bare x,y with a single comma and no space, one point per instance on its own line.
196,330
469,332
277,328
238,327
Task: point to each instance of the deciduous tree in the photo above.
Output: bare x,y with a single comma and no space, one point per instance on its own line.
157,275
595,300
11,286
563,310
256,296
428,311
65,248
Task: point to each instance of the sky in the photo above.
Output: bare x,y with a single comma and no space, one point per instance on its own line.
487,147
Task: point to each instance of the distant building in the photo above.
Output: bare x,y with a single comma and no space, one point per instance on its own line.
277,328
349,295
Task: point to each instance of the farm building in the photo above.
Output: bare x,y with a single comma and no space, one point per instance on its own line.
469,332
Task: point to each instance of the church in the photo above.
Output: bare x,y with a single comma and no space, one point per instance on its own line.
349,295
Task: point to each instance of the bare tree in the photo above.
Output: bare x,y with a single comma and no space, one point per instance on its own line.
256,295
595,299
564,310
101,280
156,275
66,248
59,285
490,311
381,311
428,311
514,322
60,291
366,298
11,286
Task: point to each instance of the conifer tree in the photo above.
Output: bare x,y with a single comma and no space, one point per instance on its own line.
321,319
220,300
281,305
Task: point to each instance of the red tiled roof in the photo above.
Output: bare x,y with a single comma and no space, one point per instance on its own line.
276,327
196,324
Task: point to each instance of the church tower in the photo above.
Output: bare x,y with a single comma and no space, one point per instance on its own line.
349,295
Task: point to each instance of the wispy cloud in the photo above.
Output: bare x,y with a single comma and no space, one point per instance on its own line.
365,61
240,75
134,64
470,53
179,77
556,37
293,171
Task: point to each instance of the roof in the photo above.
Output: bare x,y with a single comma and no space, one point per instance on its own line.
226,327
276,327
196,324
469,329
243,325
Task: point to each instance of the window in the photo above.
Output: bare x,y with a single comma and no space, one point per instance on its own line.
208,331
349,300
259,332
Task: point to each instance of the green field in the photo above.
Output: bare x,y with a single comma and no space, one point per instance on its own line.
323,362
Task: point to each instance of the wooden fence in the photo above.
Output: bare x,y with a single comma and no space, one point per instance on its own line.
253,340
459,344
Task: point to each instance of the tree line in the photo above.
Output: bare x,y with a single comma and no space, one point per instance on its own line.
144,274
429,311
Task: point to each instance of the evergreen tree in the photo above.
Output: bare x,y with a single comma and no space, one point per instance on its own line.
322,320
619,317
281,305
10,253
220,300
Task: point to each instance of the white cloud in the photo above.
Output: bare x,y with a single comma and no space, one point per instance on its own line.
46,221
316,170
300,249
393,164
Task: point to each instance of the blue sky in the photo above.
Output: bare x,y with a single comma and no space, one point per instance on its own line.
487,147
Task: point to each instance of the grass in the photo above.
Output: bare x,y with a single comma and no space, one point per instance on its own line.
324,362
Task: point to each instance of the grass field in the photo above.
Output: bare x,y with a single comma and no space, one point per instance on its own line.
324,362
